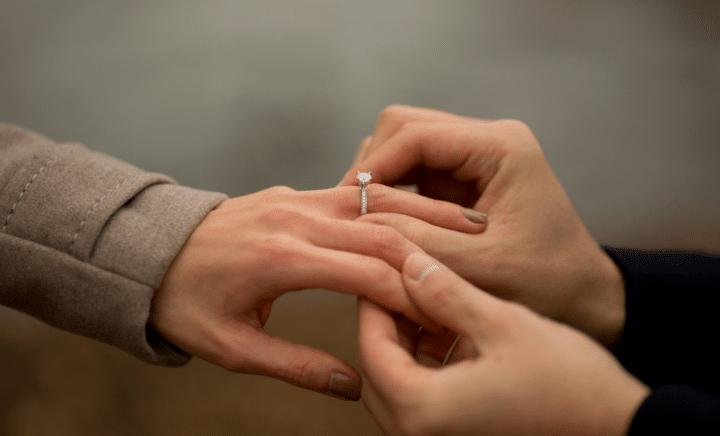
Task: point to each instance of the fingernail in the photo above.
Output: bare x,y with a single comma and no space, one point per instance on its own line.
418,266
344,386
474,216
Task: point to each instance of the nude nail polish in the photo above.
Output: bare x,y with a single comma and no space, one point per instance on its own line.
344,386
474,216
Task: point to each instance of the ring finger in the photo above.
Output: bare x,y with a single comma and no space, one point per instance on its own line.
344,203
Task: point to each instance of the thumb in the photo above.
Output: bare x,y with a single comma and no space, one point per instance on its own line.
449,300
300,365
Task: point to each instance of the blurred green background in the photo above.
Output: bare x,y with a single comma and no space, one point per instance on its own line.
237,96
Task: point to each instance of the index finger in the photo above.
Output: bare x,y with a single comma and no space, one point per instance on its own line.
468,152
393,117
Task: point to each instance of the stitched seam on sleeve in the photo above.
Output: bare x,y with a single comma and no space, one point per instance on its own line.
22,194
92,209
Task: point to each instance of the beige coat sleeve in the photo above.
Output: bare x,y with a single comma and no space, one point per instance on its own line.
85,239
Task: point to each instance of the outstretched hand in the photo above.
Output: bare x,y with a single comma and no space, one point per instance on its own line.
217,294
519,373
535,249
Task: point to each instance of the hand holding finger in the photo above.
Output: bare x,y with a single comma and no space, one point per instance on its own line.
521,357
217,294
448,299
498,168
345,203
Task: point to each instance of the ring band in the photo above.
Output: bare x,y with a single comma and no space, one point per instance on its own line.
364,179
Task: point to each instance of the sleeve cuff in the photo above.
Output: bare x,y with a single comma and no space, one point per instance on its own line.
677,409
86,239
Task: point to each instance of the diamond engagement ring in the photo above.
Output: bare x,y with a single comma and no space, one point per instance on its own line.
364,179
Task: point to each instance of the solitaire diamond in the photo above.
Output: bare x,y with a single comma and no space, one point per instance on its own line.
364,178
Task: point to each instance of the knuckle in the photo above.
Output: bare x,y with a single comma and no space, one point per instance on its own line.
387,240
513,125
377,191
372,218
413,131
299,369
381,198
393,112
277,249
279,191
381,273
388,235
520,134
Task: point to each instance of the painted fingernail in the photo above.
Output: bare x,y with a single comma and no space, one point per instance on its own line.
474,216
344,386
418,266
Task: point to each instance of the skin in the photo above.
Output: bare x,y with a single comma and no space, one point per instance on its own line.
535,249
218,292
524,374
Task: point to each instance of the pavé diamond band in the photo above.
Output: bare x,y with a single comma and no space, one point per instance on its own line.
364,179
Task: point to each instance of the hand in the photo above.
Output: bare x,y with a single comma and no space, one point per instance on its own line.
217,294
528,374
535,250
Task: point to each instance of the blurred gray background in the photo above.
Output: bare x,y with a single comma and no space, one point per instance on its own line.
237,96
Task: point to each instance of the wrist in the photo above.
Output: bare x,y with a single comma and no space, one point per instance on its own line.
600,308
622,410
614,312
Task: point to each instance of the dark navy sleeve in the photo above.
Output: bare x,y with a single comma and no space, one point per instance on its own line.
677,410
670,340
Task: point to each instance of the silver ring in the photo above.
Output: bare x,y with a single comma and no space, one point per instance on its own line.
364,179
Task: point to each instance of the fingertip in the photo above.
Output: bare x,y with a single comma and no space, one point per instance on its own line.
344,386
402,200
365,142
300,365
418,265
474,216
443,296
